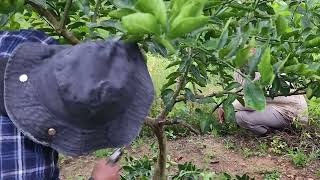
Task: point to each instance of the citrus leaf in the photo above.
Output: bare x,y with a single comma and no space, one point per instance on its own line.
232,86
201,81
315,42
141,23
118,14
155,7
176,6
265,68
281,25
254,61
166,96
224,35
187,25
189,95
193,8
228,108
253,96
242,57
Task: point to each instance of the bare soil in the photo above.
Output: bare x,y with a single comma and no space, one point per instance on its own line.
207,152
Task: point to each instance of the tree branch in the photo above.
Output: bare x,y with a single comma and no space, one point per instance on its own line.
176,93
179,122
213,94
149,122
54,22
65,15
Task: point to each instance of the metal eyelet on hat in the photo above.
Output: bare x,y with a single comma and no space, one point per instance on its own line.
23,78
52,131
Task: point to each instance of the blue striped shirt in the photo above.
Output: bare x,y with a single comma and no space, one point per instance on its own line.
21,158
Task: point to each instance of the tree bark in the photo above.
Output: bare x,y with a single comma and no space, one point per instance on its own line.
160,169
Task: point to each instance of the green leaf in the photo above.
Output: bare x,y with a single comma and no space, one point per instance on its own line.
265,68
253,96
168,84
191,8
141,23
224,52
10,6
254,61
166,96
173,75
174,63
189,95
228,108
241,101
284,87
119,13
281,25
107,25
242,57
167,44
281,64
232,86
224,35
187,25
211,44
155,7
275,87
176,6
296,68
197,75
315,42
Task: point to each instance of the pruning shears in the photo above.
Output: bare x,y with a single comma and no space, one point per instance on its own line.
114,158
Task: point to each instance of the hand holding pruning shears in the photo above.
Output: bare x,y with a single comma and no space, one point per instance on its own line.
108,169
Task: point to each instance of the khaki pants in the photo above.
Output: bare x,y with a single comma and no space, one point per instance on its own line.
260,122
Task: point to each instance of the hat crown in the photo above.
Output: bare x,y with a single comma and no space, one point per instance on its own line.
92,77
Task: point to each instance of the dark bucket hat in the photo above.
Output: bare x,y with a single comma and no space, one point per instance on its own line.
77,99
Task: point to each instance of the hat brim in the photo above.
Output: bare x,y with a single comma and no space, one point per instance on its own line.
33,119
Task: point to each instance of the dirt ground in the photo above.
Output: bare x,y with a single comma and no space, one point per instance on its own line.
206,152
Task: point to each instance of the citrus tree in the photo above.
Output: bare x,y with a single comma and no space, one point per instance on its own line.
277,38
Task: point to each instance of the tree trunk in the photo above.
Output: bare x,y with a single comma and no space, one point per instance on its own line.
160,169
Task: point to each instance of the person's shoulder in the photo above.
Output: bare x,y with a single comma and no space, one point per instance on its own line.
30,35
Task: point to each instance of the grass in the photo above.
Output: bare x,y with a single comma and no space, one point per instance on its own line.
299,158
318,174
103,153
272,175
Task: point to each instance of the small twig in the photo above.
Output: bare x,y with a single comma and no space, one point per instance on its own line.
65,15
54,22
217,106
179,122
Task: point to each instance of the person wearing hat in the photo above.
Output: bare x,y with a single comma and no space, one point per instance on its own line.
67,99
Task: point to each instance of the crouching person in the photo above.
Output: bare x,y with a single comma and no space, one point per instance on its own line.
278,114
